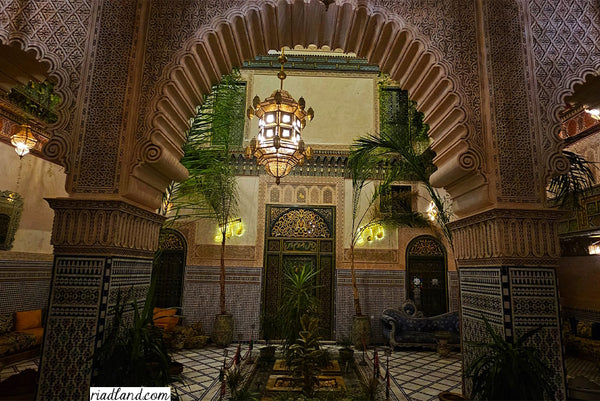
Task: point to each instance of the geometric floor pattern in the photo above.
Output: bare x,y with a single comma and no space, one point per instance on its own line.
415,375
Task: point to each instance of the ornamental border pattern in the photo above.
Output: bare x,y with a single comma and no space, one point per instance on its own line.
507,236
103,227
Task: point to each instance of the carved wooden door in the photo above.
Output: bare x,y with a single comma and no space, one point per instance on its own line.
296,237
426,276
169,269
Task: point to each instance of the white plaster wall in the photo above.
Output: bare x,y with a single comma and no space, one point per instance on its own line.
39,179
344,105
206,230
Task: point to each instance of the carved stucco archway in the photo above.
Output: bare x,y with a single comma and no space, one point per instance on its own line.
382,37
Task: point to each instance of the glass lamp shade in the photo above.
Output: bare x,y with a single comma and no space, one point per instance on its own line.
595,112
278,145
23,140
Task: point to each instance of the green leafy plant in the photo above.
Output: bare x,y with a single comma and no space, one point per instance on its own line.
568,189
369,390
298,299
402,150
133,355
234,380
37,99
305,357
510,371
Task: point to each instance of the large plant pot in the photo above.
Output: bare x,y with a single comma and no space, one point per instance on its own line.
223,330
346,355
361,330
448,396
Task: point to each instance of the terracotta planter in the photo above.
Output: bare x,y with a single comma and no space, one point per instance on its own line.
361,329
448,396
346,354
267,353
223,330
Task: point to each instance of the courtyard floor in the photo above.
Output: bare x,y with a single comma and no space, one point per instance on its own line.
415,374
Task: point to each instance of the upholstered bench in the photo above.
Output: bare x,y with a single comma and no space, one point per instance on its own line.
21,334
405,327
582,338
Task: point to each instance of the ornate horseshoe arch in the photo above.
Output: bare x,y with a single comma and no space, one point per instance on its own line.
372,32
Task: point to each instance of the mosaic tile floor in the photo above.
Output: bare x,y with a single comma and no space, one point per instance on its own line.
415,375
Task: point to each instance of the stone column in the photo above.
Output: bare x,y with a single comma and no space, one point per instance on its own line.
101,247
507,260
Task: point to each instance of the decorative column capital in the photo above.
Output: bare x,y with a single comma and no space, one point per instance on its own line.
103,227
507,237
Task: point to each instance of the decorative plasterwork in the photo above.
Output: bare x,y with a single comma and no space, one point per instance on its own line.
209,49
84,227
563,38
503,237
12,116
295,185
58,32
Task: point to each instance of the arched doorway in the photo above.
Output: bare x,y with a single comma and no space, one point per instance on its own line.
169,269
294,237
426,274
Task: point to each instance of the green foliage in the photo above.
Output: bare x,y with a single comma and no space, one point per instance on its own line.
506,371
369,391
211,190
298,299
234,379
133,355
400,147
37,99
305,357
567,189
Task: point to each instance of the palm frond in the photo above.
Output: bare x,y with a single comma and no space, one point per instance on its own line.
405,163
211,189
567,189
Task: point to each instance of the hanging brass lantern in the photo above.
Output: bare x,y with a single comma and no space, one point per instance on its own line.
279,145
23,140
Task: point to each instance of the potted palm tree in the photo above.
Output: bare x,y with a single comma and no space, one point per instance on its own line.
369,155
211,191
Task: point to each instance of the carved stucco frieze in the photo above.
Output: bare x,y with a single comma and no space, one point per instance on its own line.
59,34
103,227
507,237
563,43
221,36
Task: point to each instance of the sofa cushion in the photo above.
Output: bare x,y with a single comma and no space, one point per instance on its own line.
6,322
584,329
13,342
165,318
37,332
28,320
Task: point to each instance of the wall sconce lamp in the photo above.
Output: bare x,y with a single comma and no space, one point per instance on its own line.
233,228
369,233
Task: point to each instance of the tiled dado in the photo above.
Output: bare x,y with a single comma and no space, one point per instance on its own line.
24,284
242,293
514,300
82,300
378,290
